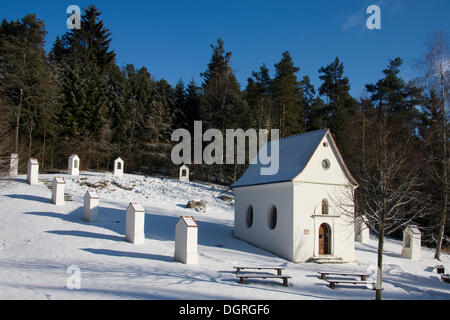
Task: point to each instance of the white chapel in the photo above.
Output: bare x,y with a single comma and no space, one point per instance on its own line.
305,211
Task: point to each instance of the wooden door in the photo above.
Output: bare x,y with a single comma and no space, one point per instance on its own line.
324,239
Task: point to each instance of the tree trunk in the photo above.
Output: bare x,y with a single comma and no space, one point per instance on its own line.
379,283
19,109
437,254
30,138
43,149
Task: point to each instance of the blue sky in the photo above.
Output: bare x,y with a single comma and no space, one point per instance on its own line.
172,38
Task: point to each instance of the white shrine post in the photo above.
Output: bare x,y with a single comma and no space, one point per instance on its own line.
58,191
33,171
74,165
118,167
412,243
186,234
91,206
134,226
14,165
362,233
184,173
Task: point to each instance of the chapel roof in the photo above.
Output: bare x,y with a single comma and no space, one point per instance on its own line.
294,154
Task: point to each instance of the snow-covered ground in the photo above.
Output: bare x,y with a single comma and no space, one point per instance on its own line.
39,241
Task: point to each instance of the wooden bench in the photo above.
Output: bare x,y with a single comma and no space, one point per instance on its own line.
278,269
261,275
334,282
323,274
243,276
445,277
440,269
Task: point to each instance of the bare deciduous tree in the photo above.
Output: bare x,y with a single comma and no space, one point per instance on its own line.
388,197
436,66
4,141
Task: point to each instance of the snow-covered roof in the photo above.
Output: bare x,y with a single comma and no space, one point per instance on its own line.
34,161
118,160
92,194
413,230
59,180
189,221
295,152
74,156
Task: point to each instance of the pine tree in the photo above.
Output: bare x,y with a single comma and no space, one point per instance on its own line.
259,98
177,112
191,107
339,103
395,99
222,103
221,98
288,97
27,84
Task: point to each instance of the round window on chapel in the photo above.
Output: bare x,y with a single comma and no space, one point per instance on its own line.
273,217
249,216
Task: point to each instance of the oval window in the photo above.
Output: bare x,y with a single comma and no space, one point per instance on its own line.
273,217
250,216
326,164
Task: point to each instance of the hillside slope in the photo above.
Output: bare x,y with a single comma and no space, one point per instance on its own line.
39,241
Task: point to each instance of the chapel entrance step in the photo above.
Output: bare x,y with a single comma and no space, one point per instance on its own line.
328,259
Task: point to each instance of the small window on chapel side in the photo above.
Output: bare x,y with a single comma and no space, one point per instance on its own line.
272,217
324,206
249,216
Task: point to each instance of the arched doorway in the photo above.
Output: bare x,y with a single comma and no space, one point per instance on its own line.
324,239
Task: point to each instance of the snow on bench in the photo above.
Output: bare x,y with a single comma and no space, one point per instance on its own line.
278,269
323,274
261,275
334,282
243,276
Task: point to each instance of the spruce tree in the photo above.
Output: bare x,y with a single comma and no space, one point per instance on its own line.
85,62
